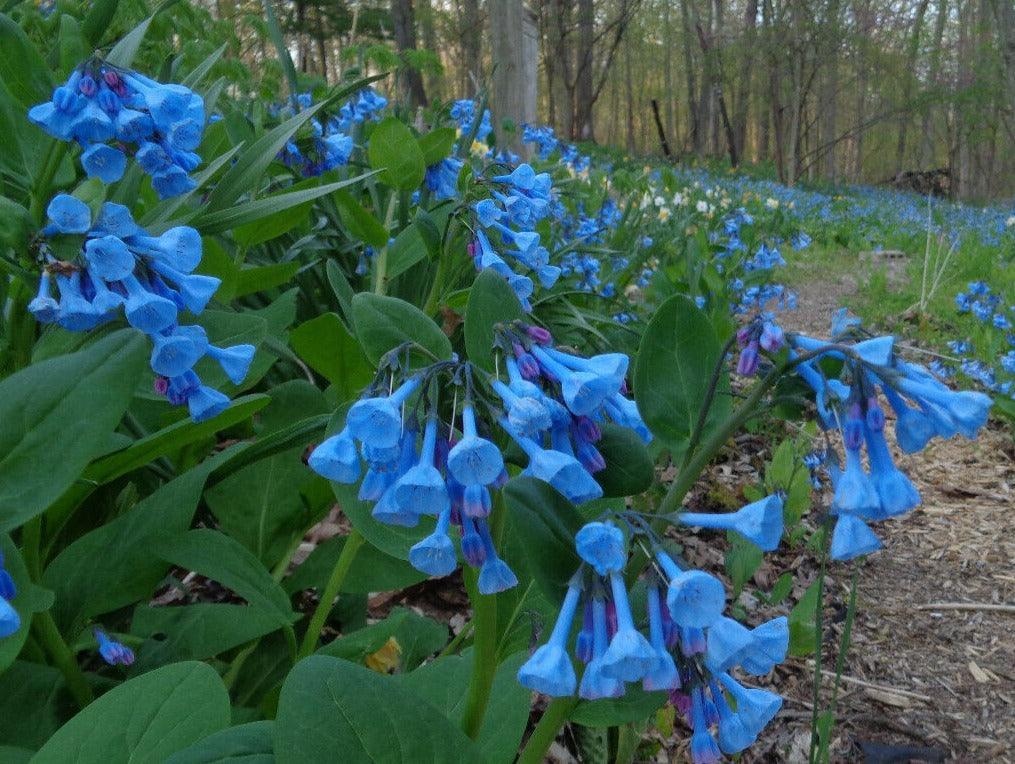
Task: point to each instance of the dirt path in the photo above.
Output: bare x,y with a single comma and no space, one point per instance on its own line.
938,679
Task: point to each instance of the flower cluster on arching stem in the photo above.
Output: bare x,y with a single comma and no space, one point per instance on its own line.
687,648
421,463
849,403
111,111
116,267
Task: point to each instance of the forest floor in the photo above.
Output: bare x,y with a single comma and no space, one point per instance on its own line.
930,675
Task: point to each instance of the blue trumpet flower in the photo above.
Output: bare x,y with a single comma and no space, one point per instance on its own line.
10,621
596,683
601,545
114,653
494,574
665,675
629,656
422,489
474,460
695,598
704,749
104,162
852,538
67,214
378,421
435,555
726,641
549,669
173,354
755,707
476,501
336,458
769,643
896,492
760,522
733,735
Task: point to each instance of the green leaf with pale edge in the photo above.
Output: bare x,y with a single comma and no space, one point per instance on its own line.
332,710
57,415
383,323
144,720
492,301
676,359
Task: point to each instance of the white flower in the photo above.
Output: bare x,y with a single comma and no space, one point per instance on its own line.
772,204
659,201
664,214
1010,222
702,207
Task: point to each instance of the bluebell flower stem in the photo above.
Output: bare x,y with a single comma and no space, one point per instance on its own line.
484,640
545,732
381,263
840,665
706,403
49,635
451,648
819,637
352,544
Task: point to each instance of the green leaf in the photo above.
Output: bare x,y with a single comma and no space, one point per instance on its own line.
333,710
113,566
418,637
199,72
97,20
383,323
678,353
545,524
406,250
57,415
742,560
781,589
260,278
492,301
394,150
342,289
30,599
445,683
635,705
224,560
329,349
144,719
249,743
195,632
122,54
72,44
34,702
268,504
803,631
361,224
22,69
629,468
437,145
372,570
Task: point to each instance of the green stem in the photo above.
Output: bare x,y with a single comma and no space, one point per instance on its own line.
484,640
352,544
840,665
45,180
461,636
381,272
706,404
31,538
819,637
45,630
545,732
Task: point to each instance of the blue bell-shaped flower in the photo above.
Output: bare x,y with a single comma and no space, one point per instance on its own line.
601,545
759,522
435,555
474,460
852,538
629,656
336,458
549,669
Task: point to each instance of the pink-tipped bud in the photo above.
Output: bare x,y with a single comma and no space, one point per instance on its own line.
161,385
539,334
744,335
747,363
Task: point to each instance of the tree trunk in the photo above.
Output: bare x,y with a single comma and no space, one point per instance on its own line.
409,80
743,95
582,127
322,51
629,83
829,97
933,74
908,78
472,38
434,82
515,53
692,87
669,99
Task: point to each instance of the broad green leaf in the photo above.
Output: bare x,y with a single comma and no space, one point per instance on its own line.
113,565
226,561
12,755
72,45
199,72
629,468
803,631
361,223
328,348
278,222
29,599
372,570
445,683
393,540
263,277
437,145
144,719
492,301
545,523
676,359
384,323
418,637
742,560
270,503
635,705
34,702
394,150
249,743
22,70
406,250
195,632
342,289
333,710
57,415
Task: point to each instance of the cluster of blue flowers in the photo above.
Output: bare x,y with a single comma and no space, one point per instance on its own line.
330,143
690,649
996,319
924,407
547,142
419,466
463,112
517,202
151,278
442,178
109,111
10,621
